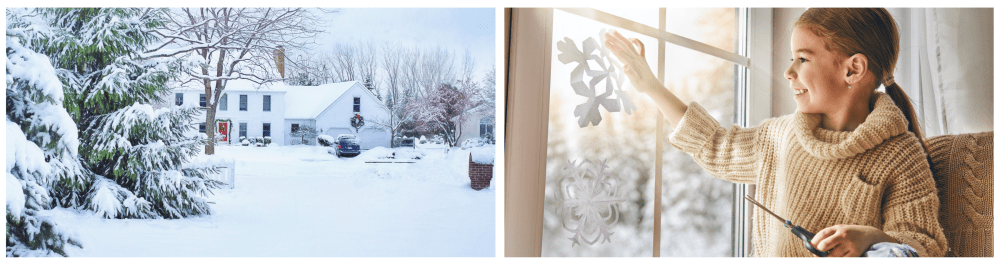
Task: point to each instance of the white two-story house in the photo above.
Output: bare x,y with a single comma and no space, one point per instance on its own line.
245,109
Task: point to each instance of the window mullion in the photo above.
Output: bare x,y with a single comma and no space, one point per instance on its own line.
658,168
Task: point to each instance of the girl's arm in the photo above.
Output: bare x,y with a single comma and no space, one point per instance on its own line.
642,78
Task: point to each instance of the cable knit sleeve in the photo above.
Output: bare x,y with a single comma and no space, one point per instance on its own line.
728,154
910,205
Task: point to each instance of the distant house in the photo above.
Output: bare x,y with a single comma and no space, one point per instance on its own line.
276,110
477,125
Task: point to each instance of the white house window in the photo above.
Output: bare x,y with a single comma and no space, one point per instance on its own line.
224,102
267,129
295,127
243,102
357,104
243,129
201,127
485,127
201,100
179,99
267,102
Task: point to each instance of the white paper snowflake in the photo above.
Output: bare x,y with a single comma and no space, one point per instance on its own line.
607,71
588,201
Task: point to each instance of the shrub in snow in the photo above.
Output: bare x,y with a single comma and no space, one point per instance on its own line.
324,140
474,142
267,140
305,133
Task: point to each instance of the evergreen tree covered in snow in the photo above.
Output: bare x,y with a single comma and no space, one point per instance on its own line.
135,153
41,143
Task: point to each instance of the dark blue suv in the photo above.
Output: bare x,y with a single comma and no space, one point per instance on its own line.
347,144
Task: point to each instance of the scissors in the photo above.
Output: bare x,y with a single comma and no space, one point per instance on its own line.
800,232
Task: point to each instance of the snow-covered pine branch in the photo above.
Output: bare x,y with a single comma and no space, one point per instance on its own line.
41,142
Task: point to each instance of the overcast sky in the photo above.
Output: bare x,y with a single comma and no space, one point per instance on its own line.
455,29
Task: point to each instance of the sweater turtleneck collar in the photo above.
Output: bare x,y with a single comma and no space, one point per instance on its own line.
884,122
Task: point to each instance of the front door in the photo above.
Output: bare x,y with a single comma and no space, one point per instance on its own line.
224,131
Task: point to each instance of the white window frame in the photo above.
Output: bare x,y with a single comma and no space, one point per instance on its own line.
527,112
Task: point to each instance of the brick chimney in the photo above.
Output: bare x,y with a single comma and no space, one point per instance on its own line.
279,60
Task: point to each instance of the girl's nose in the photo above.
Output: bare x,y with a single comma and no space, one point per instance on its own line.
790,72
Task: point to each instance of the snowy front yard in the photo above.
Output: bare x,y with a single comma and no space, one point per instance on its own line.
300,201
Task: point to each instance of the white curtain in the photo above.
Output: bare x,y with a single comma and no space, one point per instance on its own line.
946,67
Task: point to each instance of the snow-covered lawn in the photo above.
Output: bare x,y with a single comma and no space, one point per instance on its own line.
300,201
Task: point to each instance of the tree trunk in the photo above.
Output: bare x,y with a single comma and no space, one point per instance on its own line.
210,130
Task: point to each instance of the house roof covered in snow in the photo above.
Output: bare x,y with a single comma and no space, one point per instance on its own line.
238,85
307,102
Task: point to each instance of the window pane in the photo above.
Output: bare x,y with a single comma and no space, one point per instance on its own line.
267,129
623,142
243,102
201,100
357,104
712,26
646,16
224,102
243,129
267,103
697,207
179,99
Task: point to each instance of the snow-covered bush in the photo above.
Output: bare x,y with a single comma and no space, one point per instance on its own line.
325,140
407,153
305,133
473,142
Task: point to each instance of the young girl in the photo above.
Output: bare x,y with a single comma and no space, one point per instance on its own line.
850,164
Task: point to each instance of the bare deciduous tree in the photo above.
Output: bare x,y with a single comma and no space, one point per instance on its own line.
345,62
368,64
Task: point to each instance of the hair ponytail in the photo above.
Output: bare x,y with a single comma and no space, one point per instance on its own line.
903,102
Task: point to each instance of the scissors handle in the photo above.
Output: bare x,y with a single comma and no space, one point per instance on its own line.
806,237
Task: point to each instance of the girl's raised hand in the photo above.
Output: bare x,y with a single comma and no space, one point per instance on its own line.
633,61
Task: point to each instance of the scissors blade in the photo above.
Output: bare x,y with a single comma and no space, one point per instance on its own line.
747,197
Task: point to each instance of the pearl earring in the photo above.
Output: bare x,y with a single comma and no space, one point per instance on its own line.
848,87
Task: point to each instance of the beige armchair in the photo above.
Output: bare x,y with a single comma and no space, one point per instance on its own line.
963,170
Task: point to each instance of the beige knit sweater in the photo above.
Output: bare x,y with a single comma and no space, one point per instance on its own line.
876,175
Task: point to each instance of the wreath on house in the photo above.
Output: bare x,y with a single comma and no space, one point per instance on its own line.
357,121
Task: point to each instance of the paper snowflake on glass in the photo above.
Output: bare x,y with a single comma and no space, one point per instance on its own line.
606,71
588,201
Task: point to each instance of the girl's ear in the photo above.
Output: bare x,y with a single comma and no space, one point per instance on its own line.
857,67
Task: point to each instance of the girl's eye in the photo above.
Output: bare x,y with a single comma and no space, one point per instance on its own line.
800,59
